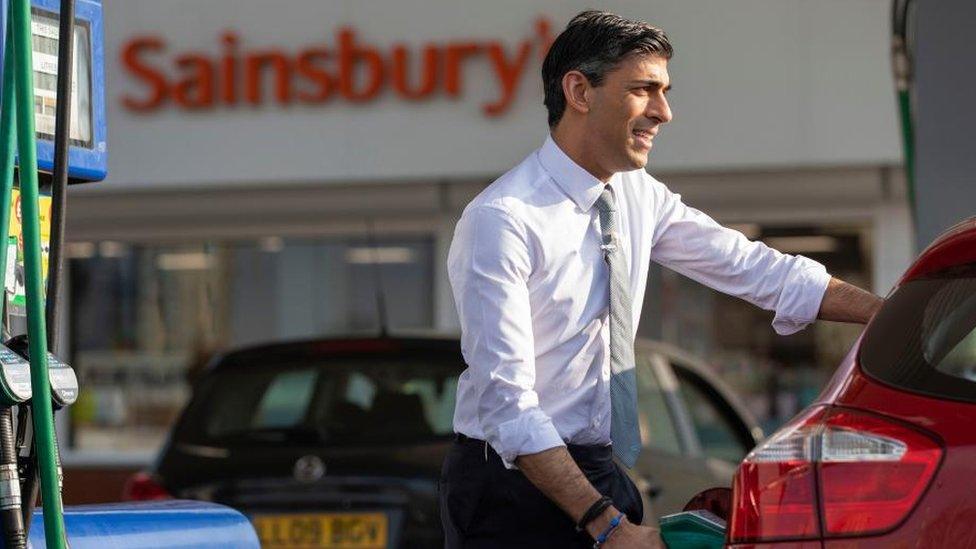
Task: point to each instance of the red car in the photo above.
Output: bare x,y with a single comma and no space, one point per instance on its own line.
886,456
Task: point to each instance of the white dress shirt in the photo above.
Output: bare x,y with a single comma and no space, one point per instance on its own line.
531,288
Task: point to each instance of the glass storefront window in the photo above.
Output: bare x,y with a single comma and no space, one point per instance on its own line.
774,376
145,317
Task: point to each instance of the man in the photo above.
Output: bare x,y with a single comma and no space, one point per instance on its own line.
548,267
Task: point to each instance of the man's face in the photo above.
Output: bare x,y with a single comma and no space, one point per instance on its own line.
627,112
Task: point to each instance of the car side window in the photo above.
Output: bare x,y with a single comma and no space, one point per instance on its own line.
656,423
716,430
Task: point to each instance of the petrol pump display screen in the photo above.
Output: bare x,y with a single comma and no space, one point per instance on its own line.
87,142
44,31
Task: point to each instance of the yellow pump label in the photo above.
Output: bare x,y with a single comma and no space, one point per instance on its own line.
14,277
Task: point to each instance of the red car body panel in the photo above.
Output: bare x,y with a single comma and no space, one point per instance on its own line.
779,545
957,246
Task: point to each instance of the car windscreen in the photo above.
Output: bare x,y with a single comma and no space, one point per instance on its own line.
924,338
346,402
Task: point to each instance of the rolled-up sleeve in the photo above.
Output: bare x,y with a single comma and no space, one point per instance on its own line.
489,268
693,244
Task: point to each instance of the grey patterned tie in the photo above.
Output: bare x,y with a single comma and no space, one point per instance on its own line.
624,432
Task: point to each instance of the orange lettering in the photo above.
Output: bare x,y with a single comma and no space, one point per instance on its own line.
508,74
428,72
456,53
308,66
544,29
353,69
155,79
253,83
195,89
228,90
350,56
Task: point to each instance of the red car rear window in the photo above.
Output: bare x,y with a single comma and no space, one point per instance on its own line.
924,338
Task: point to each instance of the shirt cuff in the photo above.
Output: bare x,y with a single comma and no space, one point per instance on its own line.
529,433
803,292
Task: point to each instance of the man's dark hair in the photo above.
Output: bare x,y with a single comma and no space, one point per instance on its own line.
594,43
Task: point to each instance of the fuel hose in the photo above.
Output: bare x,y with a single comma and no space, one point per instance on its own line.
14,531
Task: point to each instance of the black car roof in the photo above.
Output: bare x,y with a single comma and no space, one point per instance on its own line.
338,347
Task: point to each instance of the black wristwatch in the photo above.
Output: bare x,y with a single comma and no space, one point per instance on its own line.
595,510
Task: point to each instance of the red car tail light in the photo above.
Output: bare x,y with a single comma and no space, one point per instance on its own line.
774,491
143,487
872,472
832,473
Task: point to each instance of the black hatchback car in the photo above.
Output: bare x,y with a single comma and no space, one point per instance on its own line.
339,442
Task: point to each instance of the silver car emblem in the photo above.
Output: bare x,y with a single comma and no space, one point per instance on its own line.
309,469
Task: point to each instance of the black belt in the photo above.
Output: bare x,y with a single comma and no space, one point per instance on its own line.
579,452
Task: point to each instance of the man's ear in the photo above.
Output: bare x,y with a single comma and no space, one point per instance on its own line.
576,89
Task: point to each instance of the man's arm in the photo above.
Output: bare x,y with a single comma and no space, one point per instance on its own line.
843,302
557,476
489,266
693,244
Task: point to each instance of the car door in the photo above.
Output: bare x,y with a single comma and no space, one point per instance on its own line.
719,428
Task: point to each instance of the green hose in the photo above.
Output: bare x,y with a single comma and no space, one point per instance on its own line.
908,142
36,332
902,64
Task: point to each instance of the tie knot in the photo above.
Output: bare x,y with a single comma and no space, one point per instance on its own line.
607,208
606,202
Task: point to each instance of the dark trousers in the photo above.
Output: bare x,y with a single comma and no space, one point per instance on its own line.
483,504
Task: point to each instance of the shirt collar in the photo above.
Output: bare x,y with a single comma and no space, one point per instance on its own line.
577,183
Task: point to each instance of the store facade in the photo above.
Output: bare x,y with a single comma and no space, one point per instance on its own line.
270,169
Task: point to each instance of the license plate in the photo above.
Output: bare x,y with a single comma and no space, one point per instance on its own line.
333,530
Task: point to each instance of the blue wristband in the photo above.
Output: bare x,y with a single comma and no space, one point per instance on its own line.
602,538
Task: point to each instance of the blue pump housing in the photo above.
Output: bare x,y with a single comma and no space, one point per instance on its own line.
87,158
158,525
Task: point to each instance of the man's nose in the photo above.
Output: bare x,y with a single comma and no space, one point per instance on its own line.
659,109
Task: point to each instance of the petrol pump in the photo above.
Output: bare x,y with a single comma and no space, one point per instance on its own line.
59,121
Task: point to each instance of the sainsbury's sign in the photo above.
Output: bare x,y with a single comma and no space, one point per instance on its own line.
350,69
